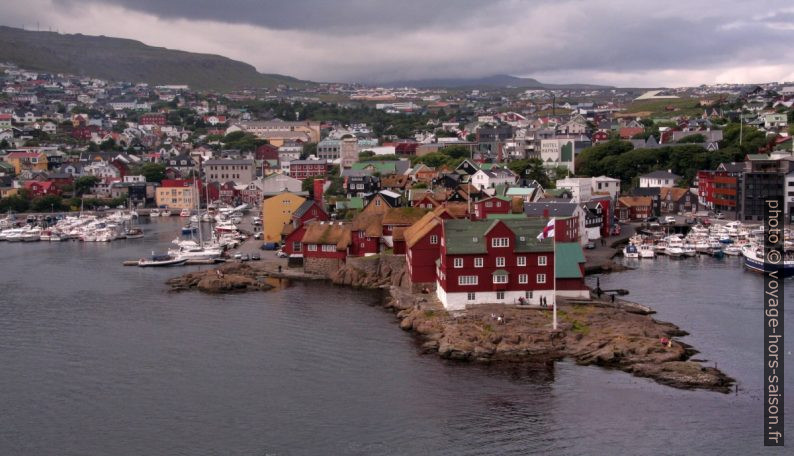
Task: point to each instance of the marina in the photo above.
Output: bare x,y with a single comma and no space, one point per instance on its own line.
730,239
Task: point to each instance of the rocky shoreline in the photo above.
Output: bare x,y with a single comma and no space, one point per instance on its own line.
589,332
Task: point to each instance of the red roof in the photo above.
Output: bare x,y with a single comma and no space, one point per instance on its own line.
177,183
5,116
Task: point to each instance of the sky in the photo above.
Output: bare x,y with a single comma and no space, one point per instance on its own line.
627,43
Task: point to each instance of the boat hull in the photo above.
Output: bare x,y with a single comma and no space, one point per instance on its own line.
755,265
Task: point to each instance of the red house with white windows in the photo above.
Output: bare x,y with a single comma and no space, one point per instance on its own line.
493,205
37,188
303,169
152,119
293,232
493,261
325,246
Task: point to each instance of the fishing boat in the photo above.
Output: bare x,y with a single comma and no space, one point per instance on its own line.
154,213
631,251
754,260
134,233
647,251
161,260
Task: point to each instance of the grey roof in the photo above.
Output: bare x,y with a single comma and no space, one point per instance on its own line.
732,167
538,209
229,162
661,174
646,191
303,208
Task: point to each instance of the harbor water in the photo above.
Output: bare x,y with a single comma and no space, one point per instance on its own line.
101,359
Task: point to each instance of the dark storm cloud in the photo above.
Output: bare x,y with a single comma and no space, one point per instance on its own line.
347,16
603,41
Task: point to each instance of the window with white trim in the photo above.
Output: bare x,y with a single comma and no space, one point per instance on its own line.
458,262
500,278
542,260
311,247
329,248
467,280
521,261
470,296
434,239
540,278
500,295
478,262
500,262
523,278
500,242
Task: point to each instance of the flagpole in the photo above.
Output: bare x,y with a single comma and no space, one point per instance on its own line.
554,279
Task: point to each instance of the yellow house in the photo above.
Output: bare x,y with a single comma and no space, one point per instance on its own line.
34,161
176,194
277,210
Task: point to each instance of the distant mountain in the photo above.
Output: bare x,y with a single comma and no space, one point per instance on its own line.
498,80
120,59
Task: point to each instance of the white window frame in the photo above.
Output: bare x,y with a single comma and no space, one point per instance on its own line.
500,262
479,262
311,247
540,278
468,280
523,278
502,278
471,296
543,260
329,248
433,239
500,295
521,261
500,242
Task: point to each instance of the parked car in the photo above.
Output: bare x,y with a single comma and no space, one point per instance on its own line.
652,219
245,257
720,216
669,219
281,254
238,256
255,257
269,246
690,220
258,235
590,245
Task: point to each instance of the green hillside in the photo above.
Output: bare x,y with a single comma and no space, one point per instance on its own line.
128,60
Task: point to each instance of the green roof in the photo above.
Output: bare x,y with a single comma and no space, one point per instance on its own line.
354,203
486,166
500,272
383,167
506,216
519,191
468,237
568,257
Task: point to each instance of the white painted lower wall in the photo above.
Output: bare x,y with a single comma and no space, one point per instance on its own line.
591,234
578,294
459,301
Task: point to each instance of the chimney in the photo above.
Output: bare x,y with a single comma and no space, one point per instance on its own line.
318,191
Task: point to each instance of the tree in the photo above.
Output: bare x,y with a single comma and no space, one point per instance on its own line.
308,184
84,183
153,172
47,203
696,138
471,137
15,203
309,149
366,154
456,151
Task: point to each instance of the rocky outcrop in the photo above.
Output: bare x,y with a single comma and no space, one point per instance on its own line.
377,271
225,279
589,334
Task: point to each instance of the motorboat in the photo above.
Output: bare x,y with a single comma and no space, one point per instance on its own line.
732,250
134,233
631,251
675,252
185,213
689,250
647,251
154,213
754,261
161,260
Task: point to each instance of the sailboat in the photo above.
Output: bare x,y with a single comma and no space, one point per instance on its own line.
190,250
133,232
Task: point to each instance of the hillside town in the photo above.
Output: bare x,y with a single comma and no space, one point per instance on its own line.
428,174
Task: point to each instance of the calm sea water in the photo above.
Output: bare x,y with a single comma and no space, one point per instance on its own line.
100,359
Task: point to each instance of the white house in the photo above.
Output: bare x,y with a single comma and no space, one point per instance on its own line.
659,179
604,184
484,179
580,187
